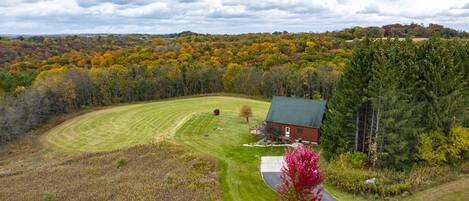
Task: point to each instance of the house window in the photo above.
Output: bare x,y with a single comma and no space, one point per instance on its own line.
287,131
299,131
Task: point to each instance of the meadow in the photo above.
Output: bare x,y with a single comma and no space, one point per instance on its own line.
160,171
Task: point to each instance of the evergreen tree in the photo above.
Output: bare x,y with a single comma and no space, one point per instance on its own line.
393,128
339,124
443,85
393,90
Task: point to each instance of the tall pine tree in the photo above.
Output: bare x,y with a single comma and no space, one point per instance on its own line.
343,108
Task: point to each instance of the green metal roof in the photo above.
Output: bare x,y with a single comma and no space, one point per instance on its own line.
296,111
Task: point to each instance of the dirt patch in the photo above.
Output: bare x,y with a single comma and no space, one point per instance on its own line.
149,172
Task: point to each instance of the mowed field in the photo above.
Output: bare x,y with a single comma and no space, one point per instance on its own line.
126,126
188,122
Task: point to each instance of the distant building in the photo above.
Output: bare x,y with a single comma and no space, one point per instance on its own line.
296,118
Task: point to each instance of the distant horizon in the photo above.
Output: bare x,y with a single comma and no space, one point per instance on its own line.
70,17
299,32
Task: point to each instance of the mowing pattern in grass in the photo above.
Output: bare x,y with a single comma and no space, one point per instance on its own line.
126,126
222,137
195,126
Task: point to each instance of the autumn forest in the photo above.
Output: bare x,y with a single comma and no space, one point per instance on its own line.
44,76
397,95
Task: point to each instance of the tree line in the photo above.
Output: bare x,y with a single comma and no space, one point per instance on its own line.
301,65
402,103
67,89
400,30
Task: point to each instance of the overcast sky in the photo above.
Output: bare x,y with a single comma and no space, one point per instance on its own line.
218,16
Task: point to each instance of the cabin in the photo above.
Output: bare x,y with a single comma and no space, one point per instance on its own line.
296,118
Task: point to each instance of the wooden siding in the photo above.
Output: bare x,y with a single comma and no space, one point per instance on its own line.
308,134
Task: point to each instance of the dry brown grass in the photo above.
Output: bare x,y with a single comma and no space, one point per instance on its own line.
150,172
452,191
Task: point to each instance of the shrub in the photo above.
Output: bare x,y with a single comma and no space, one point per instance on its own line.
421,176
457,145
300,175
435,148
352,159
428,148
465,167
120,163
169,178
48,197
387,183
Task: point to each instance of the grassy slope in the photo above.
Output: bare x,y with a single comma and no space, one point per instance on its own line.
222,137
126,126
340,195
178,174
453,191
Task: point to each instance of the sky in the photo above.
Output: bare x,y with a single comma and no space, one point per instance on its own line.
220,16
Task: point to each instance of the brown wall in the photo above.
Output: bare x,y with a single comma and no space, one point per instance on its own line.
309,134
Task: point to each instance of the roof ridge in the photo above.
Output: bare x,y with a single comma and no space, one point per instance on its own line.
299,98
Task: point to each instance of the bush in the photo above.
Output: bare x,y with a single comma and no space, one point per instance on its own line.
120,163
48,197
169,178
426,176
435,148
353,180
352,159
388,182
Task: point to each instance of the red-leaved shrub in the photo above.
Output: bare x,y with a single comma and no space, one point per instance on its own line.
301,176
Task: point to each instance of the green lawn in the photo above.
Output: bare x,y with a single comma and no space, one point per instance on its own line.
126,126
222,137
193,124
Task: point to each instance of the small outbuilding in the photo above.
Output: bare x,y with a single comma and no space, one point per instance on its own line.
296,118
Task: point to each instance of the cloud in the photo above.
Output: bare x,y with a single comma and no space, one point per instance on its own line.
220,16
91,3
188,1
370,9
466,6
229,12
287,6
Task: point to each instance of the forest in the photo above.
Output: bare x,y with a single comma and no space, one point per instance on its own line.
402,103
47,76
400,30
398,101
